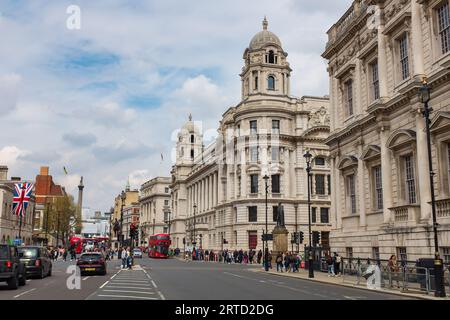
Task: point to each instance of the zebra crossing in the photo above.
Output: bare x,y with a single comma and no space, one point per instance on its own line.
135,284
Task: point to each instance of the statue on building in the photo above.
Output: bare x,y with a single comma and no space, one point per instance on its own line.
280,215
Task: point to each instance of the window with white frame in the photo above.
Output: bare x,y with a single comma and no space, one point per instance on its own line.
443,24
403,56
324,215
253,127
320,183
375,83
410,181
446,254
351,193
271,83
275,150
254,153
349,97
275,126
401,254
253,183
377,187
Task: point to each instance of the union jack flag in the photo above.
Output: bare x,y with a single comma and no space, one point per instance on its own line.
21,197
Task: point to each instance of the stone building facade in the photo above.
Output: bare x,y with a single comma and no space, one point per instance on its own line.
9,222
154,202
130,197
377,59
267,133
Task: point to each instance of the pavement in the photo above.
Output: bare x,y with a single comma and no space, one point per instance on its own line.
174,279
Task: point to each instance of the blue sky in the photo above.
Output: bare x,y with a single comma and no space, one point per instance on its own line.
104,100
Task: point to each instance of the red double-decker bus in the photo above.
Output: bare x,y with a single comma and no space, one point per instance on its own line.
158,245
77,243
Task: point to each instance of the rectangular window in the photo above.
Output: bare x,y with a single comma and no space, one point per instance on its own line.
351,191
256,83
166,190
166,202
375,81
320,183
349,96
446,254
274,213
276,126
375,253
253,183
378,187
253,127
275,153
313,215
253,154
319,161
324,215
410,182
276,183
252,214
404,58
252,239
443,17
349,252
239,185
401,254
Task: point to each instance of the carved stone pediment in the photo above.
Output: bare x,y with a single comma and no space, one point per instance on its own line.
400,138
371,152
348,162
440,122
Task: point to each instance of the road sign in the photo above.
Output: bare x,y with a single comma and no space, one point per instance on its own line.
267,237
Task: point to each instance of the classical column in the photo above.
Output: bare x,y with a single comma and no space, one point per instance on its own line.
293,184
361,188
382,62
286,176
259,80
219,184
333,192
332,100
417,39
421,162
243,174
339,193
386,173
358,107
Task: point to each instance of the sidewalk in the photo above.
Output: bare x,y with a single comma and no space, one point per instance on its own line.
322,277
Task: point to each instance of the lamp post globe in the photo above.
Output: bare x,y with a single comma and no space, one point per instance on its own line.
308,157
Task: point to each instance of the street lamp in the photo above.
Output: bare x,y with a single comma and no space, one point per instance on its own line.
424,96
123,196
195,239
266,250
308,157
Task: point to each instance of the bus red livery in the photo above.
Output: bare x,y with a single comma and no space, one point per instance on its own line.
77,243
158,245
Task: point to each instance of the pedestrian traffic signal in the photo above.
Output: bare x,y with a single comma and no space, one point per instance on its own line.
301,236
184,240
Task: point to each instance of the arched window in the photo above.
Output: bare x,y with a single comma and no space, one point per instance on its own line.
271,83
192,153
256,83
271,57
192,138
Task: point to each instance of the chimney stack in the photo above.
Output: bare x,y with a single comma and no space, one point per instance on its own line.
3,172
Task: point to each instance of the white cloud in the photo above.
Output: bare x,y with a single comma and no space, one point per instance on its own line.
9,87
9,155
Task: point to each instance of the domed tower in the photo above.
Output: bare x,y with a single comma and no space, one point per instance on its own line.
266,70
189,144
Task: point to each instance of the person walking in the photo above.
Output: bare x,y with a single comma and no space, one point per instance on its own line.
129,259
124,258
259,256
394,270
65,255
329,261
337,264
279,261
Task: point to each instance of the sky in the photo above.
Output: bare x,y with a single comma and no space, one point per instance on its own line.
105,100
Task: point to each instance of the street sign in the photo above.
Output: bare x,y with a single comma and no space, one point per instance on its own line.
267,237
17,242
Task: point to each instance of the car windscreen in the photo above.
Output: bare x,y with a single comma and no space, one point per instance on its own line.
4,253
90,257
28,252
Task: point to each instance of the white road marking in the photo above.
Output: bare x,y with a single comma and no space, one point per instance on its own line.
154,284
21,294
161,295
86,278
129,291
131,297
130,281
104,284
127,287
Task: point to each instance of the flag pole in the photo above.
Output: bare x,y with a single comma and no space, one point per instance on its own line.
20,226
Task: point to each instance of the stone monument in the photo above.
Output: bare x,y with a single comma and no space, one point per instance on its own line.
280,233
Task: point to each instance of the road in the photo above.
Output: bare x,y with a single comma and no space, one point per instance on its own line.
174,279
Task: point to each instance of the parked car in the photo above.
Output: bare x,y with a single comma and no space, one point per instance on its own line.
92,262
137,253
37,261
12,270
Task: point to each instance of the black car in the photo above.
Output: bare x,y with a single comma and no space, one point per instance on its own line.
37,261
12,270
92,262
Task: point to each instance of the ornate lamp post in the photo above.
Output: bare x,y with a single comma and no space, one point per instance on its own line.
123,196
308,157
195,239
424,96
266,250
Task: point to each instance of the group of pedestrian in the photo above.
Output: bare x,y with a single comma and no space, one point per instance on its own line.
127,258
333,264
239,256
290,261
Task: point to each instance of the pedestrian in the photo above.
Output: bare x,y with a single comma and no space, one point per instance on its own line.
65,255
329,261
279,261
287,262
258,258
124,258
337,264
393,270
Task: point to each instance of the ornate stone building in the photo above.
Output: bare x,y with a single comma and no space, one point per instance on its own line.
154,202
380,187
267,133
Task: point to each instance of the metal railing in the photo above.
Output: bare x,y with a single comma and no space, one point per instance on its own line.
405,276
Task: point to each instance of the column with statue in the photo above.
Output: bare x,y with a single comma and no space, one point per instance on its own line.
280,233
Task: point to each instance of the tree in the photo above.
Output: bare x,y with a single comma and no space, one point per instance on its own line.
60,212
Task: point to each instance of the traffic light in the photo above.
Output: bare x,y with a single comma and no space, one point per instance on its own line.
301,236
316,237
225,241
184,241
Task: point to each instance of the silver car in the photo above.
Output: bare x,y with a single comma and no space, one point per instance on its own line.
137,253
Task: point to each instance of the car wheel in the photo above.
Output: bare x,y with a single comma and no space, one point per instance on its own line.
23,279
42,275
13,283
